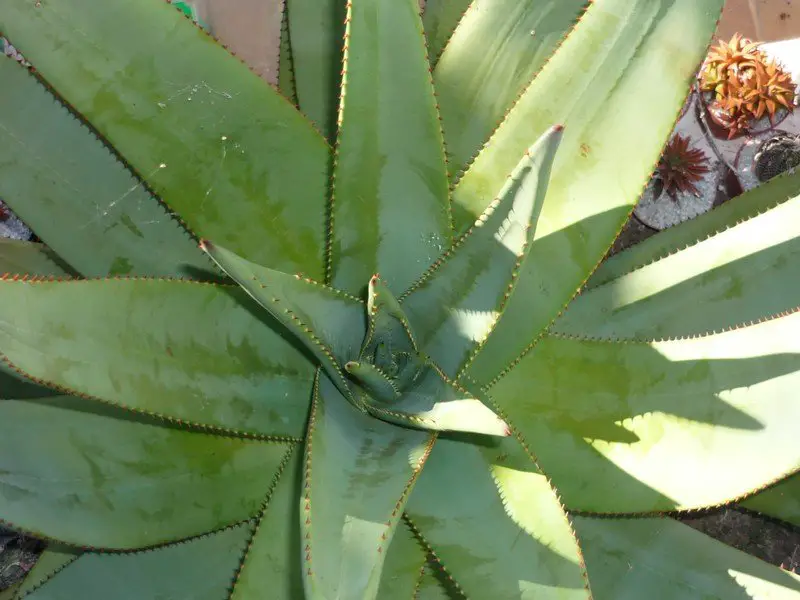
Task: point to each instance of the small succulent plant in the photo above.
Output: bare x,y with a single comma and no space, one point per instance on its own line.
681,167
745,84
351,340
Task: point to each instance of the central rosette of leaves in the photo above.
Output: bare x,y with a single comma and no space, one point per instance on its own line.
391,379
394,381
389,363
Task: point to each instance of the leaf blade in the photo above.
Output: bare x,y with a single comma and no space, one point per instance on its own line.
632,557
686,234
330,323
193,352
347,540
390,180
404,563
638,428
316,29
272,560
622,54
497,49
286,80
51,561
525,549
95,479
162,573
455,306
441,18
216,118
60,179
780,501
741,275
29,258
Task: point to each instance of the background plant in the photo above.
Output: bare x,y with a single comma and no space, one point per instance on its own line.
177,457
745,84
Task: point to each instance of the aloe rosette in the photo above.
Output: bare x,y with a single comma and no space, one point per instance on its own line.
350,339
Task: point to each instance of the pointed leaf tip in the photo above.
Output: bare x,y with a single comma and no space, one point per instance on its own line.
548,143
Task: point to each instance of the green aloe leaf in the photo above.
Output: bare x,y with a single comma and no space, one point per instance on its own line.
330,323
316,31
780,501
194,352
429,587
391,212
744,274
29,258
358,475
200,569
526,545
441,18
437,404
630,559
61,180
499,46
286,81
454,307
272,561
242,165
674,239
94,478
402,567
622,54
51,561
644,427
24,260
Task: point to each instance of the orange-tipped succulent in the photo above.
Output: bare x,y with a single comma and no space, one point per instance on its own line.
746,83
681,167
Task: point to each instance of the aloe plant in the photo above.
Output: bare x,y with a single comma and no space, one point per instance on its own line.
314,343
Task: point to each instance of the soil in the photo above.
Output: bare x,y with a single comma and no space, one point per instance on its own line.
17,555
770,540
